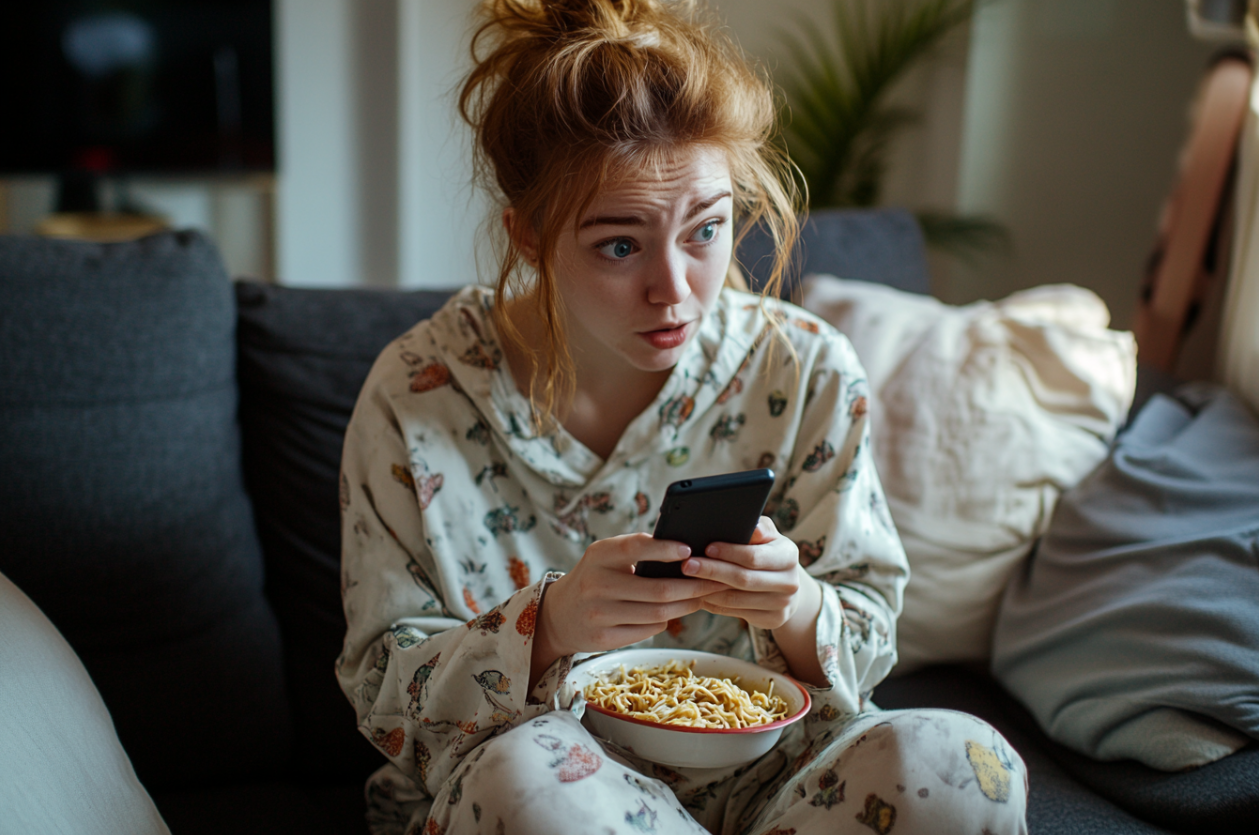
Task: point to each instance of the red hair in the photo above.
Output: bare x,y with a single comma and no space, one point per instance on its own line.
567,96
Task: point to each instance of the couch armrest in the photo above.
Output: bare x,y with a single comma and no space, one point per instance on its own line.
63,768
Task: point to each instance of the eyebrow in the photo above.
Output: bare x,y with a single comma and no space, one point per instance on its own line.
634,220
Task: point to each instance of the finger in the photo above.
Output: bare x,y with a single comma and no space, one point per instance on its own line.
765,531
624,613
665,550
777,555
663,590
621,636
778,578
626,635
758,618
623,552
661,550
733,600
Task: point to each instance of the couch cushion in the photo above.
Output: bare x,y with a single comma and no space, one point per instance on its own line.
62,768
267,808
303,357
982,416
1134,633
125,515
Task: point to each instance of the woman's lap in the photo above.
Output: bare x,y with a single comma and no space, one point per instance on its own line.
551,775
896,771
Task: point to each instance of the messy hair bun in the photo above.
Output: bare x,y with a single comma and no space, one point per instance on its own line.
565,96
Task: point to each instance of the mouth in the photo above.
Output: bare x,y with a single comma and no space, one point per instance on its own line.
668,337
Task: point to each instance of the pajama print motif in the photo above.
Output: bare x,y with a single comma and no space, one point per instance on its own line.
457,511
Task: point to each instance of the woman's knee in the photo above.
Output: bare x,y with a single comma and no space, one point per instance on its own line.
554,746
931,771
949,771
549,775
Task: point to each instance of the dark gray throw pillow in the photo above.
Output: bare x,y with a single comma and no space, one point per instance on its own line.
1133,634
304,355
125,516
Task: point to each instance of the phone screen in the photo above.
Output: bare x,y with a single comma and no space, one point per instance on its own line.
700,511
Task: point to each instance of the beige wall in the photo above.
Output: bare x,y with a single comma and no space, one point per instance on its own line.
924,172
336,227
1076,110
1060,117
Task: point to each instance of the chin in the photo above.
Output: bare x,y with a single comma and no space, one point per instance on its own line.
658,361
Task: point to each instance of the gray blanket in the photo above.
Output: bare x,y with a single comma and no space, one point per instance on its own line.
1134,630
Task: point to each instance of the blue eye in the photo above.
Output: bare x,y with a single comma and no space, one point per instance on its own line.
707,232
618,249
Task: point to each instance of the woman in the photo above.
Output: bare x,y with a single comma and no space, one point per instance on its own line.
506,458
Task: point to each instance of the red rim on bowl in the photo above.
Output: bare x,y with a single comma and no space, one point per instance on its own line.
786,720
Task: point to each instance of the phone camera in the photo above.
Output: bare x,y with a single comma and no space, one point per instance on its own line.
686,483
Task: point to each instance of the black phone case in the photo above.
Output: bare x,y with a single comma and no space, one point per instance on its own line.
700,511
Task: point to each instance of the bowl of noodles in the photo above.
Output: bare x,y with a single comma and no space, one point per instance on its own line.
687,708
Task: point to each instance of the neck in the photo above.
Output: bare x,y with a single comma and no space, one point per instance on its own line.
606,397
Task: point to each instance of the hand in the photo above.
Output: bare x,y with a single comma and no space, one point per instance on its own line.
764,584
602,605
762,581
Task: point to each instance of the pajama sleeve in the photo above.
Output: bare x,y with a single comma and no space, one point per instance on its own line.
832,505
427,685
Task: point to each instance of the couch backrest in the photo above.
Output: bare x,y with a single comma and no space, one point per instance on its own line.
125,517
123,513
303,356
883,246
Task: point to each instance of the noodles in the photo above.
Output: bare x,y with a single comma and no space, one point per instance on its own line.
672,694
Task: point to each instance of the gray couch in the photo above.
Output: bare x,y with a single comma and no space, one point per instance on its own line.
169,446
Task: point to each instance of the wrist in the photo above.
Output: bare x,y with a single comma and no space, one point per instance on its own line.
809,605
797,638
545,650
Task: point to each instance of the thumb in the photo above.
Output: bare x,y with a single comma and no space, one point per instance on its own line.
765,531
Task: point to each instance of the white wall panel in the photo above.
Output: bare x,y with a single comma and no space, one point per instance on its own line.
316,199
442,217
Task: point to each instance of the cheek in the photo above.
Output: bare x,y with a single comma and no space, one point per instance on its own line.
595,300
713,277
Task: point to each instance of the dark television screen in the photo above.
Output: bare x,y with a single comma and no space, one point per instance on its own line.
120,86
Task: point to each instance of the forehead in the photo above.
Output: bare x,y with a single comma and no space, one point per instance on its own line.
678,177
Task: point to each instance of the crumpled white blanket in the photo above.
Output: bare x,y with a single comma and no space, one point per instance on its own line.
982,416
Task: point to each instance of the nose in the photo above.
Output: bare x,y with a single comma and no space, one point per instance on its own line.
668,283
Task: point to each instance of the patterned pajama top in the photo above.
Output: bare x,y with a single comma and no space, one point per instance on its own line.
455,513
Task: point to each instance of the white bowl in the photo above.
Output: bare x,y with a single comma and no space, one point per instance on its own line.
678,745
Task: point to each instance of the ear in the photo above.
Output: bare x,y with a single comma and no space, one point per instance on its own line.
522,236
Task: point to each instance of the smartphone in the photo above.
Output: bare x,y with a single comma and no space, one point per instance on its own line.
700,511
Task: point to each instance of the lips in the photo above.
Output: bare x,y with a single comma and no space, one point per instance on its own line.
666,338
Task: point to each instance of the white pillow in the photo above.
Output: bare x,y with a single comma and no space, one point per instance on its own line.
982,415
62,769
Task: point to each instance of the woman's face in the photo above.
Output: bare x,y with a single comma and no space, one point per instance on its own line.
646,263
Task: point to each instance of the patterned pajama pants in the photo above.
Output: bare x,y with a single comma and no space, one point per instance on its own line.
909,771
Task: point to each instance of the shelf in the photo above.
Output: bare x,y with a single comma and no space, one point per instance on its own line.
102,227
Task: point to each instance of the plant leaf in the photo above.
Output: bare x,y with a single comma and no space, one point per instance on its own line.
836,126
964,236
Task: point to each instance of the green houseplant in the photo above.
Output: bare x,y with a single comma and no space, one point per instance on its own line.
837,124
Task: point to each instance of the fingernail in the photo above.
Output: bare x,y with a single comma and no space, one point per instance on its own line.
711,550
684,551
690,567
